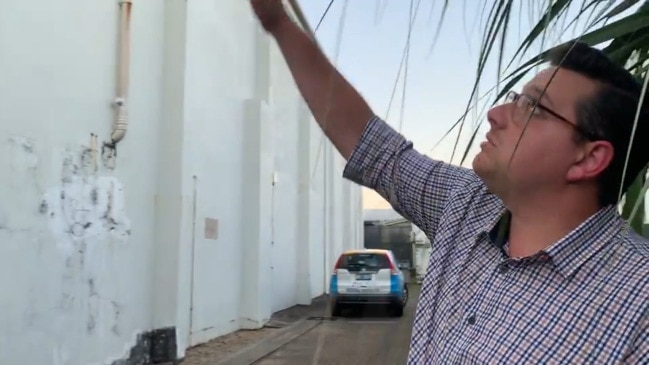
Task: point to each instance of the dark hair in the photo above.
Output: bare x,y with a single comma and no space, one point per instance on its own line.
609,114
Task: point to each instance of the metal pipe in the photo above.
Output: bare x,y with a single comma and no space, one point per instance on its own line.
121,117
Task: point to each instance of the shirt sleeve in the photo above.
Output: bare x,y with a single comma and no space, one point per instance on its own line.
416,186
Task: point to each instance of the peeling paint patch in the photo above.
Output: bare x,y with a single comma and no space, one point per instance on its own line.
108,155
86,209
153,347
43,207
117,309
23,152
93,306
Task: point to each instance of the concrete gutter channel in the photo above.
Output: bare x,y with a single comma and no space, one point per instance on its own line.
255,352
291,323
298,320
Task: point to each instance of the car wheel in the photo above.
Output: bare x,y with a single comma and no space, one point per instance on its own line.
405,296
397,311
336,310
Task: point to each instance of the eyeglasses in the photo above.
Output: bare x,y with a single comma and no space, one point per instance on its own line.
528,106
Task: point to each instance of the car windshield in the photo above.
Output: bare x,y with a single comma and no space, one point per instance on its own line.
367,261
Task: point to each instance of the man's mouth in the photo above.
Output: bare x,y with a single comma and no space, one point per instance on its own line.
490,140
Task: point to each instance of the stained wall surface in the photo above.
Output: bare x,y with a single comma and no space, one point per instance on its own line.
221,205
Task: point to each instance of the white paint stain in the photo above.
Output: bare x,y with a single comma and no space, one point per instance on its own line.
60,355
22,153
87,209
19,164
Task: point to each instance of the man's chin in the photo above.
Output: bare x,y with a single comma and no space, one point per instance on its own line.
479,164
488,173
483,167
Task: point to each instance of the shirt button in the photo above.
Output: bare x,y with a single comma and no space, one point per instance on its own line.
471,320
503,268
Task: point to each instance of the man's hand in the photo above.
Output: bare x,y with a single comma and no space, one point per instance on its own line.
337,107
271,13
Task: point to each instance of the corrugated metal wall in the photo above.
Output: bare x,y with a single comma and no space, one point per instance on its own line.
396,237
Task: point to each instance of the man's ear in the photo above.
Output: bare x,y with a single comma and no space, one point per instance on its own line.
591,160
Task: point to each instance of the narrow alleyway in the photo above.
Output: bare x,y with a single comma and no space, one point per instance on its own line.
367,337
308,335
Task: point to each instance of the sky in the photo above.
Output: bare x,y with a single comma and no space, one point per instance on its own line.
369,47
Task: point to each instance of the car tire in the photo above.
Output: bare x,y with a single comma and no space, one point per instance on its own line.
336,310
397,311
406,294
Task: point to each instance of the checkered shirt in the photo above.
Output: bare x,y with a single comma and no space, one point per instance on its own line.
584,300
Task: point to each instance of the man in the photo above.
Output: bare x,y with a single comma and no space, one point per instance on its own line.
531,262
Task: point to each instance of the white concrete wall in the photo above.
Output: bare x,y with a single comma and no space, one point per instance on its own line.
94,251
76,238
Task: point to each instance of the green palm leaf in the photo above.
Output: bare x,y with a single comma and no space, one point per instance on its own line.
628,45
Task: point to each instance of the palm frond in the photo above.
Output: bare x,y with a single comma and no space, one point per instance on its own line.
621,33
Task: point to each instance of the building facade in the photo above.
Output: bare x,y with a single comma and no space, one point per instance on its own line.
385,228
162,185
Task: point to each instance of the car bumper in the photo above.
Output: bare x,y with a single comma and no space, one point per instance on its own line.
369,299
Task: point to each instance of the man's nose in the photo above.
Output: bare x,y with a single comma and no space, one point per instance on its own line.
498,116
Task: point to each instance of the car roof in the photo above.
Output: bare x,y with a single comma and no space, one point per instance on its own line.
367,250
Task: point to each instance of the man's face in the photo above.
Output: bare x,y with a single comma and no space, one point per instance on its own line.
547,156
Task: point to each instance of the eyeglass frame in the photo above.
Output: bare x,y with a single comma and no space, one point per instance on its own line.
514,97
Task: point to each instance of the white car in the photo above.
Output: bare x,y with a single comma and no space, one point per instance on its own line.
368,276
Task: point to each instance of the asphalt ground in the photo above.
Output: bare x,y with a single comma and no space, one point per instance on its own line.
364,335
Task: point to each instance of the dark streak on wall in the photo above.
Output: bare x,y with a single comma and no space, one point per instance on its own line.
153,347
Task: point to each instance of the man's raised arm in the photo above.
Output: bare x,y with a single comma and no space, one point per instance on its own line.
337,107
378,157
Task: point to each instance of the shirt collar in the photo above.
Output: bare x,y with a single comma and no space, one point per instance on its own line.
574,249
585,241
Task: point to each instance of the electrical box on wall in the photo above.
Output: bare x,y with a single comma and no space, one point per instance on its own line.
211,228
275,177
